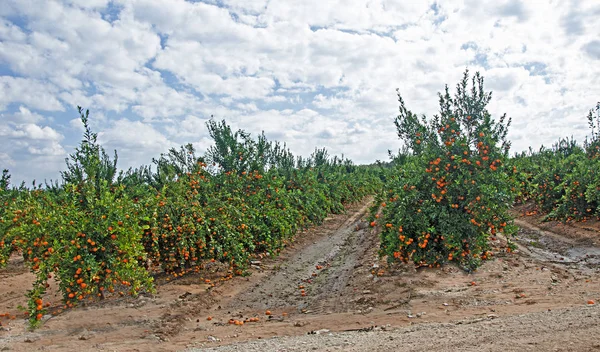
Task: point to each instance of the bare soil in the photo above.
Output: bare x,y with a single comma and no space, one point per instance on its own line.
329,290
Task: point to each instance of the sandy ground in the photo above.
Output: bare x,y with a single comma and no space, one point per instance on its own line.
330,291
541,331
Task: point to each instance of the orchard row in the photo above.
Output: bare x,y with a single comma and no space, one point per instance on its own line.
564,180
100,232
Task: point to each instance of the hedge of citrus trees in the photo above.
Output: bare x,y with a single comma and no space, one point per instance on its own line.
564,180
453,188
101,232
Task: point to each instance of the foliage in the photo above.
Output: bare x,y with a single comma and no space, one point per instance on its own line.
454,188
254,204
87,234
564,181
101,232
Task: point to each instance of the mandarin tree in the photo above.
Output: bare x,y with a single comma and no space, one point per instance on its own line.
564,180
85,233
454,189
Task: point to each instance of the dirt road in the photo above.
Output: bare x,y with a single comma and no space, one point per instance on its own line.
574,329
330,291
323,270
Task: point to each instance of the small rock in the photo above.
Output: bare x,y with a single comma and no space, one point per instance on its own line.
152,337
212,339
185,295
366,292
300,323
255,262
319,332
86,335
31,339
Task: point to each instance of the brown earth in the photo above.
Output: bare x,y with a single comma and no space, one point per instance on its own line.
528,299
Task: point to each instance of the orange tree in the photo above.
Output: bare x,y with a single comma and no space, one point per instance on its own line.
86,233
246,197
580,187
542,173
592,147
8,244
564,180
454,189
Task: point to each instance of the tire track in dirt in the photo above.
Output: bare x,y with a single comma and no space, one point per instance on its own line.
322,269
330,287
550,247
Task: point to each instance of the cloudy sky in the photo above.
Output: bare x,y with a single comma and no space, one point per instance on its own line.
307,72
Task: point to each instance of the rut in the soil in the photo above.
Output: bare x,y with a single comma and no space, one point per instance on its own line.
337,253
549,247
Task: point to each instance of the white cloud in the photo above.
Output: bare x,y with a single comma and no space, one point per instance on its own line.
29,148
190,127
24,115
6,160
11,32
89,4
310,73
133,134
136,142
33,93
28,133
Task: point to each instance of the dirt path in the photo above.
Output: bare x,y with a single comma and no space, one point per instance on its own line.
574,329
331,281
322,270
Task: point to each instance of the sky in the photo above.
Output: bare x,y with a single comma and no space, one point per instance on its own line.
308,73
